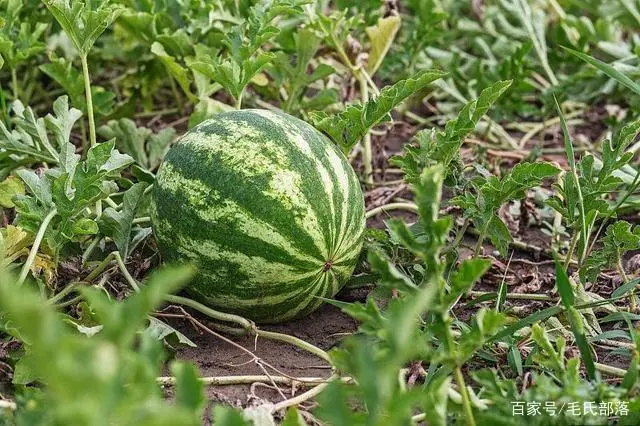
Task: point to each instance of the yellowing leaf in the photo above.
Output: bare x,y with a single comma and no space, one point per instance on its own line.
45,266
260,79
381,37
10,187
13,244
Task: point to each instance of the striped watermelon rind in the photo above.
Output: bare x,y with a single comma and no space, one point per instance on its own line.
267,207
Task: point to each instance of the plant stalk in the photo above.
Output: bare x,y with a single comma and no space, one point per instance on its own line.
101,267
367,151
70,288
633,299
87,92
518,296
572,248
482,235
249,379
125,271
211,313
303,396
239,100
176,95
93,141
466,401
36,245
391,206
272,335
14,83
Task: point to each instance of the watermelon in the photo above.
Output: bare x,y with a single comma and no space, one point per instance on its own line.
266,207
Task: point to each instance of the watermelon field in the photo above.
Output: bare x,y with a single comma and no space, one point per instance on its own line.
319,212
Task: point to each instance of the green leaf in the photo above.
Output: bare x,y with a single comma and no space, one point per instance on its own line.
523,176
499,235
204,109
141,25
84,226
568,145
129,138
189,393
333,408
349,126
322,99
161,330
233,76
465,277
83,24
494,192
293,418
484,325
390,277
147,148
175,70
158,145
381,36
105,158
577,327
619,238
568,300
227,416
552,358
564,287
20,35
435,400
27,143
367,314
444,147
61,124
70,192
120,364
245,58
533,21
515,360
178,43
295,79
64,73
37,185
625,288
23,373
607,69
118,224
631,377
531,319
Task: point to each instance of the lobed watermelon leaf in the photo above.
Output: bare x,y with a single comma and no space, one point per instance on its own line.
444,147
349,126
118,224
491,193
83,21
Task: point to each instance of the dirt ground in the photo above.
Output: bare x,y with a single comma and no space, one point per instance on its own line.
324,328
